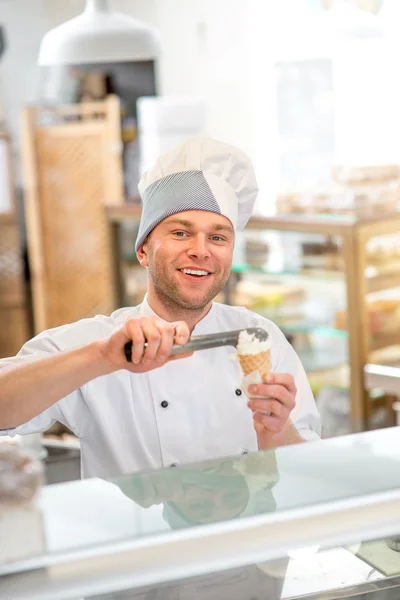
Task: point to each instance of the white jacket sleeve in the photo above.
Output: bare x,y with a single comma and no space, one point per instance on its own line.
68,410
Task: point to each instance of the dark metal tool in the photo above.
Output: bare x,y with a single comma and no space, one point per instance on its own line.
213,340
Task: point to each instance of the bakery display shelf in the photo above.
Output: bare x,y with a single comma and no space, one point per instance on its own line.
315,328
315,360
356,268
376,279
302,325
304,272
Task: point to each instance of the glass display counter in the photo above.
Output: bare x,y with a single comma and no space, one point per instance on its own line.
309,520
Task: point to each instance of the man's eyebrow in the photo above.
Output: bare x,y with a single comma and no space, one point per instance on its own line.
179,222
223,228
190,224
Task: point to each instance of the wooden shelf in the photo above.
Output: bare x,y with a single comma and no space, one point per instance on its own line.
326,224
124,212
383,281
384,340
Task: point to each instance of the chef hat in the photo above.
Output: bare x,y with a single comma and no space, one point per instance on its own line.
198,174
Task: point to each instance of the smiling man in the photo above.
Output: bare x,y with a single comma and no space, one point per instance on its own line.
160,411
185,282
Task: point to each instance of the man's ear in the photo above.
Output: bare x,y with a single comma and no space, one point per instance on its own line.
142,254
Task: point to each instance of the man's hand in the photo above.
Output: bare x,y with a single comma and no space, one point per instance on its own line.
159,336
276,398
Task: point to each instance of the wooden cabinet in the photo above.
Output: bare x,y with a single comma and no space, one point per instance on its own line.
72,168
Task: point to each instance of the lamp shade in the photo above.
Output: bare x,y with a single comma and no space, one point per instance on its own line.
98,35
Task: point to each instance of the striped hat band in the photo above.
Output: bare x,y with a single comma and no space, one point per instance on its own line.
186,190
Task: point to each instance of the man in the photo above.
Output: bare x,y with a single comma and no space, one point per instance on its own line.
158,411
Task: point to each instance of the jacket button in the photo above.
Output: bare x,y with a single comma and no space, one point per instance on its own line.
244,451
173,465
164,404
238,392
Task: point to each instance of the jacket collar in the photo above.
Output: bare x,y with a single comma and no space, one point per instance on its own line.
206,325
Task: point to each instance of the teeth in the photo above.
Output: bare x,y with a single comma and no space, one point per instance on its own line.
194,272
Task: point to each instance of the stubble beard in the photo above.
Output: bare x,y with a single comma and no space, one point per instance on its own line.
169,294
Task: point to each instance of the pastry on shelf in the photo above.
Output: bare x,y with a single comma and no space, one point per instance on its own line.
365,174
21,521
386,313
258,295
383,316
256,252
375,199
291,202
322,255
351,193
20,477
384,251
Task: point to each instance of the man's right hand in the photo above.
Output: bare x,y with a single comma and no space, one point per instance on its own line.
159,335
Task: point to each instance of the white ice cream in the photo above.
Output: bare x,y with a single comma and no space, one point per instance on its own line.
249,344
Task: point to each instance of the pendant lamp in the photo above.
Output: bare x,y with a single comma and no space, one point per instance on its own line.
98,35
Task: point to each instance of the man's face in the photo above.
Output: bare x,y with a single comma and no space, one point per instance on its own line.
189,257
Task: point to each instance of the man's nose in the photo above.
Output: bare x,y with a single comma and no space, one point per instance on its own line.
198,247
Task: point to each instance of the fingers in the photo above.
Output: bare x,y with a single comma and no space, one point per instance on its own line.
276,398
276,393
182,332
285,379
153,338
267,422
259,427
273,407
167,333
153,335
134,332
281,388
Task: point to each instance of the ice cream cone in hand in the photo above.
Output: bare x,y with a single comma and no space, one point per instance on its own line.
255,358
260,363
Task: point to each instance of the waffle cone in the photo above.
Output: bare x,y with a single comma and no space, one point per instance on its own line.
256,362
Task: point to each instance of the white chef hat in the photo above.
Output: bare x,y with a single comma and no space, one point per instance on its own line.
198,174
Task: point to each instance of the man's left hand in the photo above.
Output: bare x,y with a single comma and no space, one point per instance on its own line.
276,396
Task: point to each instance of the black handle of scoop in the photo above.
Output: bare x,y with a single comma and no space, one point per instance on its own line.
203,342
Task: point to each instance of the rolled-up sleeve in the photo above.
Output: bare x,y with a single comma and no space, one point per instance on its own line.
36,425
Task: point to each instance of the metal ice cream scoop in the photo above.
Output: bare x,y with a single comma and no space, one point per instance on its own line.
212,340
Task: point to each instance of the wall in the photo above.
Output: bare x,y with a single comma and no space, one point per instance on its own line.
204,53
25,23
222,51
208,51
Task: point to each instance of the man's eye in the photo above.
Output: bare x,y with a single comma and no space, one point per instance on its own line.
180,233
217,238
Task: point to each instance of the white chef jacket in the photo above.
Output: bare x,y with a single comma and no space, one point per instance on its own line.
185,411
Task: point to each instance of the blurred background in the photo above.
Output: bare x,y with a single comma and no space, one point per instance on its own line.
92,92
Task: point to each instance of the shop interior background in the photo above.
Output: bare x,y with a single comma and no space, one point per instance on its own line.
302,86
